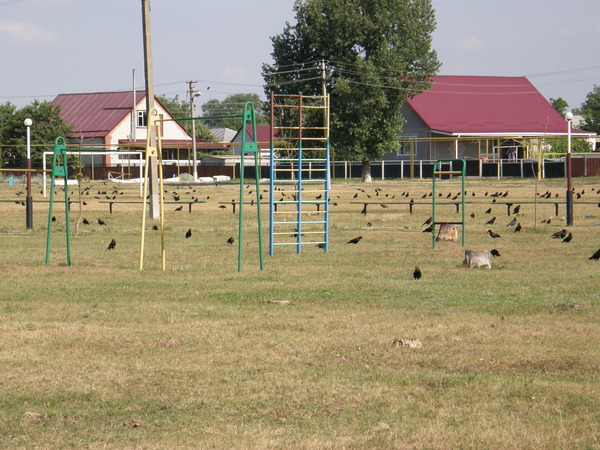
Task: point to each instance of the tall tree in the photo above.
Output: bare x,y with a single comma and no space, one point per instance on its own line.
181,109
378,53
47,126
560,105
233,105
590,109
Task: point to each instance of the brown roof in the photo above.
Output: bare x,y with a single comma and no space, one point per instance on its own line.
96,114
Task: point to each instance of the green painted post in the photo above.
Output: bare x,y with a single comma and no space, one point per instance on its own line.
248,117
60,150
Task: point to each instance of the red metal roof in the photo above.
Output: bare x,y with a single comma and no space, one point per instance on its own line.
474,105
96,114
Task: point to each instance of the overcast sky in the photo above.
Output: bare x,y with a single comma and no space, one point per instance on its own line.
49,47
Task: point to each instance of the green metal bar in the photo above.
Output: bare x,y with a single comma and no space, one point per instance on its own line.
183,119
68,225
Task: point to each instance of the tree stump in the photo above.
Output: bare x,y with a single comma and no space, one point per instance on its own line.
448,232
477,259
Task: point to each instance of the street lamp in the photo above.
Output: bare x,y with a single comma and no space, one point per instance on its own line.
569,193
196,94
28,200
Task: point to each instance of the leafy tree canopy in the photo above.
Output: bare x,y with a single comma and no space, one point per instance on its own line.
590,110
378,54
233,105
180,109
47,126
560,105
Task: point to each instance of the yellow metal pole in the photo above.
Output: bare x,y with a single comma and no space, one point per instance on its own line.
412,160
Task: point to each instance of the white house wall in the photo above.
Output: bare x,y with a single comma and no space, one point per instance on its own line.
171,130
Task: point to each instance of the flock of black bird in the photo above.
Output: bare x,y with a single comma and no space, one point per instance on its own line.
563,234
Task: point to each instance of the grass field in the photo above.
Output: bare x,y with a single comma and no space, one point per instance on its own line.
300,355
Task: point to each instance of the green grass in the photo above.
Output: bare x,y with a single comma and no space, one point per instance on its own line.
203,356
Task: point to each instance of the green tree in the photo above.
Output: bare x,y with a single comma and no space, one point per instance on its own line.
560,105
233,105
378,54
47,126
590,110
181,109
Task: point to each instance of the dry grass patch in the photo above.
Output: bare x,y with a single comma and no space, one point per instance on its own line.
301,354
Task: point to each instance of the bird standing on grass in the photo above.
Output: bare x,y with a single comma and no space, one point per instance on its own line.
356,240
512,223
568,238
495,253
417,273
112,245
559,234
230,241
595,256
427,222
101,222
491,221
493,235
518,228
85,221
188,234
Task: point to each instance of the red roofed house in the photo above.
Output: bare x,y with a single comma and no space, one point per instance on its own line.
493,113
109,119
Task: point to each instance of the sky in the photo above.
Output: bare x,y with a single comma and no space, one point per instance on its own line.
51,47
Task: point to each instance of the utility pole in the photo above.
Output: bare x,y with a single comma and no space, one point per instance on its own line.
326,112
194,93
153,160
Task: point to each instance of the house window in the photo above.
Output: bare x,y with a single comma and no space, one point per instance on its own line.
142,119
405,147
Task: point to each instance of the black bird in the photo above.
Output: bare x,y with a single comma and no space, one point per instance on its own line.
85,221
518,228
321,246
512,223
517,209
417,273
101,222
495,253
493,235
355,195
384,206
154,227
53,218
559,234
489,211
179,209
112,245
230,241
369,224
595,256
472,215
356,240
188,234
429,229
427,222
491,221
364,210
568,238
